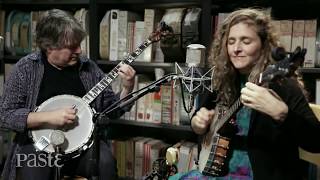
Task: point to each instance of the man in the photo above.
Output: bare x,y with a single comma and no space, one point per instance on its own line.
58,68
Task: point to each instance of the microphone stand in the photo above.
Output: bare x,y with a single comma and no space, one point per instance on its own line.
57,139
95,156
101,119
57,169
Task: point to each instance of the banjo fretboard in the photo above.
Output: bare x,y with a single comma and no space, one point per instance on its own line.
106,81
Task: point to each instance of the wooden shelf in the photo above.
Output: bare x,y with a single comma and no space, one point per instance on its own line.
169,133
309,70
140,67
10,59
44,2
186,128
161,3
36,5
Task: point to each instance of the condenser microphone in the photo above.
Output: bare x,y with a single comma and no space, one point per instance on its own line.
192,78
57,138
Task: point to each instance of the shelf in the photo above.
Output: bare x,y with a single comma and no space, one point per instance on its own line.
10,59
186,128
140,66
120,129
309,70
36,5
161,3
44,2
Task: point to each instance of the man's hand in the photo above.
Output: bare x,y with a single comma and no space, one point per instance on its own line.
58,118
127,74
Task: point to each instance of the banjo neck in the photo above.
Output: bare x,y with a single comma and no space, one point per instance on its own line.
230,112
107,80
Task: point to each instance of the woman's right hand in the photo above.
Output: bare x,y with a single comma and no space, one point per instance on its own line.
202,120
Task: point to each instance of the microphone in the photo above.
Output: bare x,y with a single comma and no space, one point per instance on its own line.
57,138
192,77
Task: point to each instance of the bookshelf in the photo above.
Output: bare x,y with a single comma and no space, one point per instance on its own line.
119,128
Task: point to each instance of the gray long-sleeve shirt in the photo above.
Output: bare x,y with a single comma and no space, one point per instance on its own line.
20,95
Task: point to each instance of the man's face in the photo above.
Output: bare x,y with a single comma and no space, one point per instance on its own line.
63,57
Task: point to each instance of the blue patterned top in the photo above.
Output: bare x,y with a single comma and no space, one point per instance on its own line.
239,164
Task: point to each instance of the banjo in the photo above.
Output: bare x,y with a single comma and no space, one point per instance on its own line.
215,148
77,137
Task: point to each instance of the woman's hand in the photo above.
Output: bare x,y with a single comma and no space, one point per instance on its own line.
264,100
202,120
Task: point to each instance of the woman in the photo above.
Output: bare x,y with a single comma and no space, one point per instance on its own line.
275,119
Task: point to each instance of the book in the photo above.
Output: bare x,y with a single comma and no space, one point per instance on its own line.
141,103
147,162
151,19
130,153
130,36
297,34
114,26
185,152
139,38
119,150
139,157
176,104
124,17
276,27
156,107
286,33
166,99
104,34
82,16
310,42
133,111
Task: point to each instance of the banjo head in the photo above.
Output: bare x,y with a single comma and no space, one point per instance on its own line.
77,135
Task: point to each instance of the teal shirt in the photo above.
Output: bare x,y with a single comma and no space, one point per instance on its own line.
239,164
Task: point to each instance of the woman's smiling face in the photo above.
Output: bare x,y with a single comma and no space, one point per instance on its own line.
244,46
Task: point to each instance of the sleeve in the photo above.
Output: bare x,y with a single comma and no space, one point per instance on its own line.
301,122
13,113
206,99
